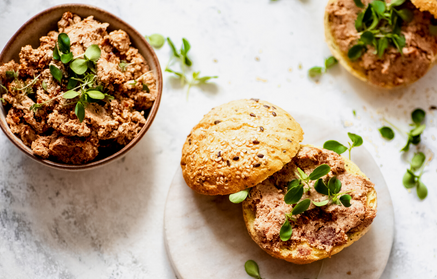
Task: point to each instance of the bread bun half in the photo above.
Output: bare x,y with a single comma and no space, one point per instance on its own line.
237,145
393,69
319,232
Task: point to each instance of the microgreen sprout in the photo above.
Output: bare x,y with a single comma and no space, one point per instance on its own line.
239,197
185,62
411,179
156,40
123,65
81,71
414,135
252,269
296,189
379,25
340,148
329,63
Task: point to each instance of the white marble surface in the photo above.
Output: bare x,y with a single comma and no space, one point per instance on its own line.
108,223
211,227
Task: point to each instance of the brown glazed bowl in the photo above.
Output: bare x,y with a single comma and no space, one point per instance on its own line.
40,25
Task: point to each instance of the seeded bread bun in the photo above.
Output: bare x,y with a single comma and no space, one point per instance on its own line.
426,5
393,70
302,252
237,145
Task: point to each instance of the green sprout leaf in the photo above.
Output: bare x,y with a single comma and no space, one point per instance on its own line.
44,85
406,14
409,180
97,95
79,66
11,75
330,62
334,185
173,48
320,171
387,133
407,146
418,115
252,269
80,111
56,55
294,193
421,190
315,71
367,37
335,146
239,197
70,94
146,88
67,57
355,52
302,174
301,207
359,3
382,46
359,21
417,161
92,53
64,43
286,231
156,40
181,75
186,46
321,187
379,7
322,203
356,139
56,73
396,3
346,200
418,130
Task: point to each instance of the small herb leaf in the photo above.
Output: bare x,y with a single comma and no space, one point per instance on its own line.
286,230
56,53
70,94
320,171
321,187
173,48
355,52
294,194
156,40
356,139
346,200
80,111
64,43
359,3
322,203
334,185
301,207
387,133
330,62
418,130
409,180
315,71
79,66
418,115
417,161
67,57
92,53
335,146
97,95
56,73
252,269
239,197
406,15
421,190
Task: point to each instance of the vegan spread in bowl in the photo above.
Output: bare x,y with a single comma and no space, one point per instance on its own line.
82,94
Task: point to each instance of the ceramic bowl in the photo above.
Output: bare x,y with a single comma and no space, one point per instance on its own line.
46,21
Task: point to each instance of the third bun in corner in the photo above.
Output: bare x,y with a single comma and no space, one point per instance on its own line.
387,45
238,145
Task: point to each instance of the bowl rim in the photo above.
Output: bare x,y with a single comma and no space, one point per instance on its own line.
153,110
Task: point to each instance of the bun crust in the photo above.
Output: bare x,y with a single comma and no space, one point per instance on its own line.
238,145
426,6
292,253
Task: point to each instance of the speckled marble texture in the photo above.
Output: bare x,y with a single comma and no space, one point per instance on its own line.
108,223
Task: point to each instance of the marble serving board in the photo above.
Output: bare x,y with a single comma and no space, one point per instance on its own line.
206,236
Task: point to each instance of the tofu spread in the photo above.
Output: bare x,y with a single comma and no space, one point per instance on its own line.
54,131
321,227
393,68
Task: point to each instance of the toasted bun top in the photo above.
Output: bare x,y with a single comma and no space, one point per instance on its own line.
426,6
238,145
